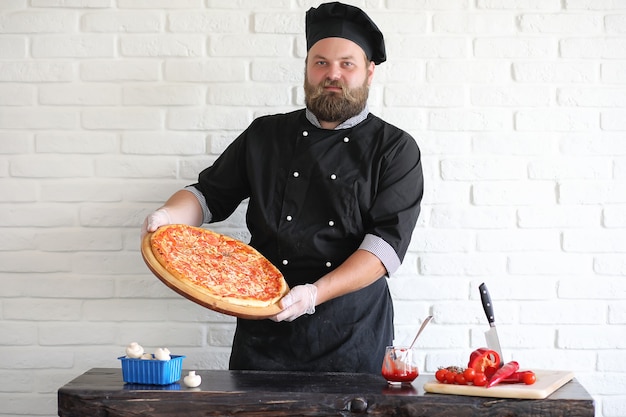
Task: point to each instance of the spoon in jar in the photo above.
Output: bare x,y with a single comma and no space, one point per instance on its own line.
424,323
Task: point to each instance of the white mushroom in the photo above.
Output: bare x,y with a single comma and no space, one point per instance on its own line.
162,354
134,350
192,380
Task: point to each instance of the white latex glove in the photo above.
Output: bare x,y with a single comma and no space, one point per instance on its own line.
300,300
155,220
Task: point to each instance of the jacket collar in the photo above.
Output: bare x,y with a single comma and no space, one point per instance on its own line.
351,122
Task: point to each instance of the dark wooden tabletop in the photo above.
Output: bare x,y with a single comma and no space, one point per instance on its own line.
101,392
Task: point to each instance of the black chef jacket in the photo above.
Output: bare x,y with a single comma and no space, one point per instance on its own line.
313,196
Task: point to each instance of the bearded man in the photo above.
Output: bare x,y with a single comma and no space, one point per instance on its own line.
334,195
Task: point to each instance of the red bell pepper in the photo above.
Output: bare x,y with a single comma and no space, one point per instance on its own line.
483,358
527,377
504,372
490,370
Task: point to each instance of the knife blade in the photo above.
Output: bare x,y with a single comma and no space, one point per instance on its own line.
491,335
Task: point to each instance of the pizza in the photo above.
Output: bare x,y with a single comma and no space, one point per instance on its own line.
218,265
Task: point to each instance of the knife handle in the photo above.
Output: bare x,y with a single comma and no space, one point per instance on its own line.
487,305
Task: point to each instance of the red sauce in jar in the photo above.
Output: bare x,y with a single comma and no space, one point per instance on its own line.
400,375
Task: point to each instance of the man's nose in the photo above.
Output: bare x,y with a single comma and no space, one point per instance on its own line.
334,72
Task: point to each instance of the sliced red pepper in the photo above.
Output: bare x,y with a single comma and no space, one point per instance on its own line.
489,371
482,358
504,372
527,377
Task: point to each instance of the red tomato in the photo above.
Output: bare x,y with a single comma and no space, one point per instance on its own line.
440,375
480,380
451,377
469,374
459,379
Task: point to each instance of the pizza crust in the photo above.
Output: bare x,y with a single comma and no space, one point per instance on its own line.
218,266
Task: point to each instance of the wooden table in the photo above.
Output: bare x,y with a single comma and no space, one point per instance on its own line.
101,392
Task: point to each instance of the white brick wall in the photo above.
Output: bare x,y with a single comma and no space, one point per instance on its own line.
108,106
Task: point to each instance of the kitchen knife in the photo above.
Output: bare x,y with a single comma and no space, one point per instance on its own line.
491,335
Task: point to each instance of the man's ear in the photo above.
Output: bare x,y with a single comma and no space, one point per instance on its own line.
370,72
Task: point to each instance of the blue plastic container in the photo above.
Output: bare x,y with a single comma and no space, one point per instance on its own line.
152,371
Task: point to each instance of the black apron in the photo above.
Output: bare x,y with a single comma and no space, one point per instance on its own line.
339,337
313,196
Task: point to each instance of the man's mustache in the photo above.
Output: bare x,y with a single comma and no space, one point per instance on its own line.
336,84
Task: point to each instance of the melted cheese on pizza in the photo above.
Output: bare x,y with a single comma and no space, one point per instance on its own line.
218,265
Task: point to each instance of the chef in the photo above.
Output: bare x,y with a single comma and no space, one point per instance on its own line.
334,195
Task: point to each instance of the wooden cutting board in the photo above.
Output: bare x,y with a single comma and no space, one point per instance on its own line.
206,300
547,382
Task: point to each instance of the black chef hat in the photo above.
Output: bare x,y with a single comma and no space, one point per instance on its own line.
340,20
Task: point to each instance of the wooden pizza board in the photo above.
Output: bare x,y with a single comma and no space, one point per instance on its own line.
547,382
206,300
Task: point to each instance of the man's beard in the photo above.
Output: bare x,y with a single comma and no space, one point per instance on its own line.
335,106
